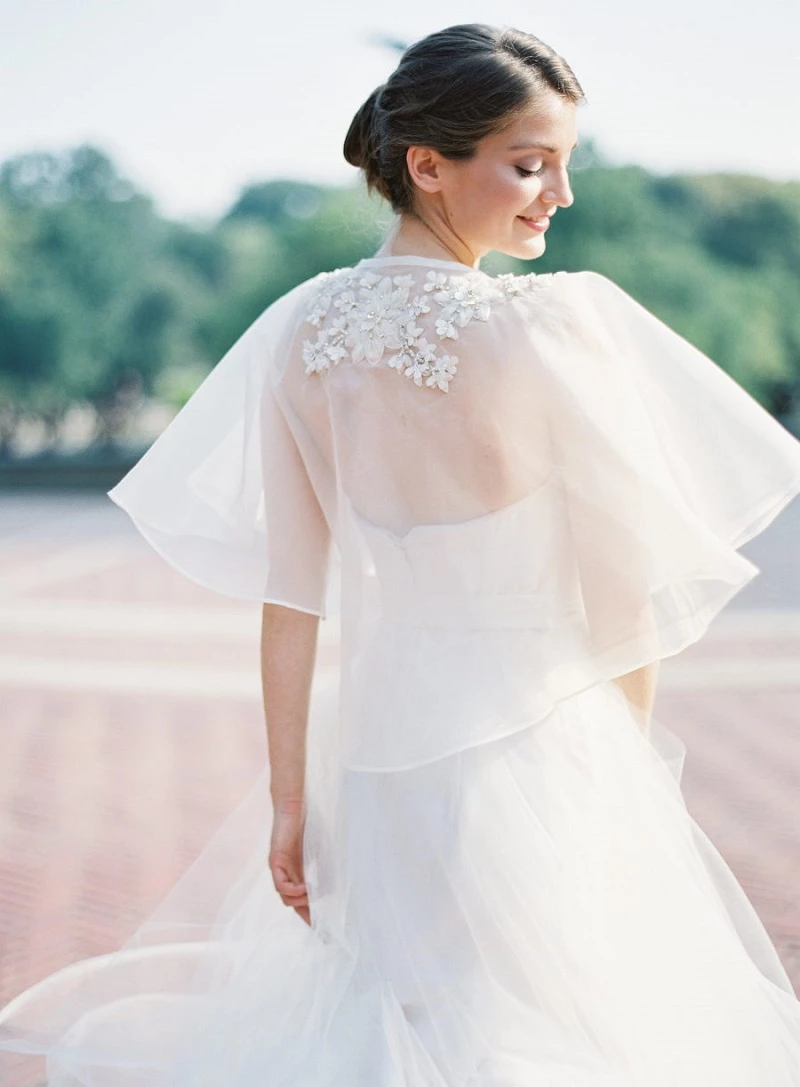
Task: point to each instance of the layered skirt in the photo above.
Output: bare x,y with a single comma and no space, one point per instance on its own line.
540,909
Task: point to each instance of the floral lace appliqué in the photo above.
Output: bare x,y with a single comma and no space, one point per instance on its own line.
375,319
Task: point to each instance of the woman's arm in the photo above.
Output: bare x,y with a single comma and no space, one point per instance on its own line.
288,652
639,687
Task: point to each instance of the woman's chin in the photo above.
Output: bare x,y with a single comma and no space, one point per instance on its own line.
530,251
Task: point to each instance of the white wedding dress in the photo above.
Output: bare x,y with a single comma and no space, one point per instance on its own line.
511,490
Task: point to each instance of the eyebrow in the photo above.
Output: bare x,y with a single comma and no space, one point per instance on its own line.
539,146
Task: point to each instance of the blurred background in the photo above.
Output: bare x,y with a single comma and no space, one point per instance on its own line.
168,170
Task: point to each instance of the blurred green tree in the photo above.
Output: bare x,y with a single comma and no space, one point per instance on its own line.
104,303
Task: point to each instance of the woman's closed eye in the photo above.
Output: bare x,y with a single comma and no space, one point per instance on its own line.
530,173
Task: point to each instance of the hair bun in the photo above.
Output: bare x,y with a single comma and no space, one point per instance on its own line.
360,144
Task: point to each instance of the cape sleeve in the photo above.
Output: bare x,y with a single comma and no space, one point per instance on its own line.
226,493
666,466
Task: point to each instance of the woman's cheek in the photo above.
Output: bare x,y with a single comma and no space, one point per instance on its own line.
514,189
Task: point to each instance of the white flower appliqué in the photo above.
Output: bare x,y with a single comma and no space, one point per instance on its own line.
372,319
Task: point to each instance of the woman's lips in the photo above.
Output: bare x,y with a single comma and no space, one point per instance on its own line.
535,224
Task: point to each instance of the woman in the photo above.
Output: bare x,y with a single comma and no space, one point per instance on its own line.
490,872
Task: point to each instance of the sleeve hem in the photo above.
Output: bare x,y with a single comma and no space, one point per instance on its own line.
143,529
764,514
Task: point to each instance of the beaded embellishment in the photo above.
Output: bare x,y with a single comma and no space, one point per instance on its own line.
374,319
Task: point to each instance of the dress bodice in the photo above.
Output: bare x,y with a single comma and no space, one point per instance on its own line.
492,571
458,624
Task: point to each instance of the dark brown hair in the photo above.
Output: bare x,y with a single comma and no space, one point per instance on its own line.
450,90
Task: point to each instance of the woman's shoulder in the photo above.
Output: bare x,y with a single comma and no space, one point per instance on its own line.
455,294
438,280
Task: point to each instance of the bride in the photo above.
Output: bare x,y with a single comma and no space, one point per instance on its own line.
470,863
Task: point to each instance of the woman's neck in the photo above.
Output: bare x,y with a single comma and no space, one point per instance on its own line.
412,237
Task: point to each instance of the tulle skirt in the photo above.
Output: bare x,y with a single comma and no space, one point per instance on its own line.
536,911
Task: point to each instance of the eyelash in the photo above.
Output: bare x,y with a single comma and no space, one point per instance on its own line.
531,173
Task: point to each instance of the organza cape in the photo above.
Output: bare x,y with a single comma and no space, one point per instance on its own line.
529,479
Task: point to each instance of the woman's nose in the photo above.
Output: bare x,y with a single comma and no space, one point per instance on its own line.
560,194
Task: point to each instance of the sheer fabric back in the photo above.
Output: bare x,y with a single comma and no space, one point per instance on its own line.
511,478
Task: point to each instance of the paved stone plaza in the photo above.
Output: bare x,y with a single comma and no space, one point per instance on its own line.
131,724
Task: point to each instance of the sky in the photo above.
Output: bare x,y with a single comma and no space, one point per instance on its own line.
194,99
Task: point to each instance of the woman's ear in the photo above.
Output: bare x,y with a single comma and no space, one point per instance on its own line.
424,168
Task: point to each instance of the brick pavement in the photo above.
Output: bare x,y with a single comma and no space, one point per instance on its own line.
131,724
